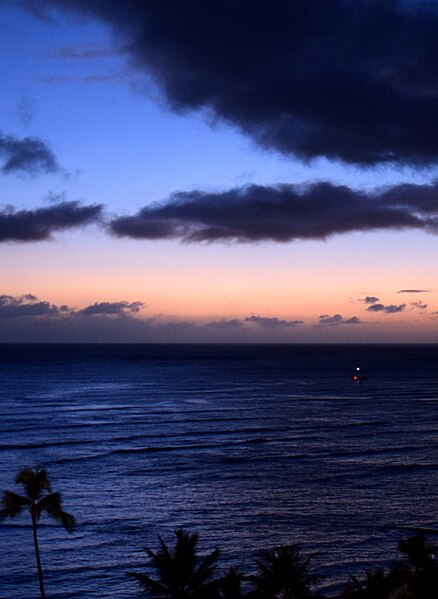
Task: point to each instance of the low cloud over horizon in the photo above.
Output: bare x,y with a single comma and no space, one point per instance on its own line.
31,305
419,305
338,319
272,323
370,299
391,309
111,309
27,318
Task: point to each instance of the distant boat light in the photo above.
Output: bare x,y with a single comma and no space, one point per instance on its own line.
359,376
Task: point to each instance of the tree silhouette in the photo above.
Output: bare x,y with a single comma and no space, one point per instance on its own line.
419,552
284,574
377,585
37,498
423,582
417,579
230,585
181,573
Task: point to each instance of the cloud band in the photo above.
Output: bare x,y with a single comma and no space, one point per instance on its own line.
282,213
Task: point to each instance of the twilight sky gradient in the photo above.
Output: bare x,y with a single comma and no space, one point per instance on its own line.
219,171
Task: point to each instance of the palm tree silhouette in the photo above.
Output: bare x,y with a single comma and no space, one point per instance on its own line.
377,585
420,553
37,498
230,584
181,573
284,574
423,582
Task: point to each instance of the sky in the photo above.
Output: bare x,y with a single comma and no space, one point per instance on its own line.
219,171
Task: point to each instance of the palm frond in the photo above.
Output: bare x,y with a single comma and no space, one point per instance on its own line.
163,551
68,521
231,584
150,553
179,572
159,558
206,568
284,571
52,504
185,544
12,504
42,479
33,481
184,552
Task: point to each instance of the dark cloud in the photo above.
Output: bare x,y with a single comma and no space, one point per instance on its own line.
353,320
30,305
356,81
272,323
418,305
26,305
371,299
111,309
414,291
391,309
338,319
41,223
282,213
29,155
28,319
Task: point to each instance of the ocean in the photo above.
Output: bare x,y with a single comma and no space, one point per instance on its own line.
250,446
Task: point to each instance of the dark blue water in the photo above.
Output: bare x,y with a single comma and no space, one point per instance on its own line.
250,446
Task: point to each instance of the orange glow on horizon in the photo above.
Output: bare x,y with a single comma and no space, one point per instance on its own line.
201,284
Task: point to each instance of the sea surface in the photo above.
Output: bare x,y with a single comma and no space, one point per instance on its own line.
250,446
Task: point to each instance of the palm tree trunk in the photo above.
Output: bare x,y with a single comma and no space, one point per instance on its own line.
37,555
